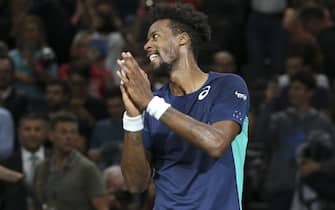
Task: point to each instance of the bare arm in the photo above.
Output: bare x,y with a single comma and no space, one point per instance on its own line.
135,163
214,139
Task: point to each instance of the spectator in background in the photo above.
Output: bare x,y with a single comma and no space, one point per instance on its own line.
270,103
92,52
293,25
10,99
314,19
316,182
118,196
305,56
88,107
67,180
317,22
107,136
7,133
115,185
32,133
35,62
58,96
62,20
286,131
224,62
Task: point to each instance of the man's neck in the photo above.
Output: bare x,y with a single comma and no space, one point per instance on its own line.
186,77
60,158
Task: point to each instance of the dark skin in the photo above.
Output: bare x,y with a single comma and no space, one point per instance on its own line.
185,77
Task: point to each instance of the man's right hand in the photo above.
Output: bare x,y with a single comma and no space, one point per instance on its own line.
132,110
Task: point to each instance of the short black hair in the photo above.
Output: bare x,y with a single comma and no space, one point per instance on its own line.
63,117
33,116
310,12
61,83
306,78
184,18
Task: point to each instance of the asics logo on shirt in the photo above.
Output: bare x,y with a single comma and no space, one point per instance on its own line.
241,95
204,92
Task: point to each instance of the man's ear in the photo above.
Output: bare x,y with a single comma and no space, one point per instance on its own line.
184,39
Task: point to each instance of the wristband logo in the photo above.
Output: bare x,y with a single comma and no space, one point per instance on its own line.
204,92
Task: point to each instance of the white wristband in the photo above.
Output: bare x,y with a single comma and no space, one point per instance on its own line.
157,106
133,124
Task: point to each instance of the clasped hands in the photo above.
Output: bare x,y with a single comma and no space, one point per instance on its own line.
135,85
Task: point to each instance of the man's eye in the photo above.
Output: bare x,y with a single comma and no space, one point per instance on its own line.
155,36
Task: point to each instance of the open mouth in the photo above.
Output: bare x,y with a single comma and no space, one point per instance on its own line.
153,57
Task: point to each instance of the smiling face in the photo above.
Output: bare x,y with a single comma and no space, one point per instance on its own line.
162,45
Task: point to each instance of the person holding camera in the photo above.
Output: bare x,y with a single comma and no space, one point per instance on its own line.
287,131
315,189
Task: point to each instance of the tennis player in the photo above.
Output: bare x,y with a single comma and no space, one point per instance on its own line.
191,135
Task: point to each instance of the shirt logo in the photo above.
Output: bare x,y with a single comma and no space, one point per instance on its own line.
204,92
241,95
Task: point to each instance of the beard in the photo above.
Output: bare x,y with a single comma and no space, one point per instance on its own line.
163,69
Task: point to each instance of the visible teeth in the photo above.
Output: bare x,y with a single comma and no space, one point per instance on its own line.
153,57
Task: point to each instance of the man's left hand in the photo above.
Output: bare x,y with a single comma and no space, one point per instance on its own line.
135,81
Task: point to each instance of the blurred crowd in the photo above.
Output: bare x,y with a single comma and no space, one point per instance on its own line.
61,108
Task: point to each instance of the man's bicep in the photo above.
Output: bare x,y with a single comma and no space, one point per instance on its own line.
228,128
